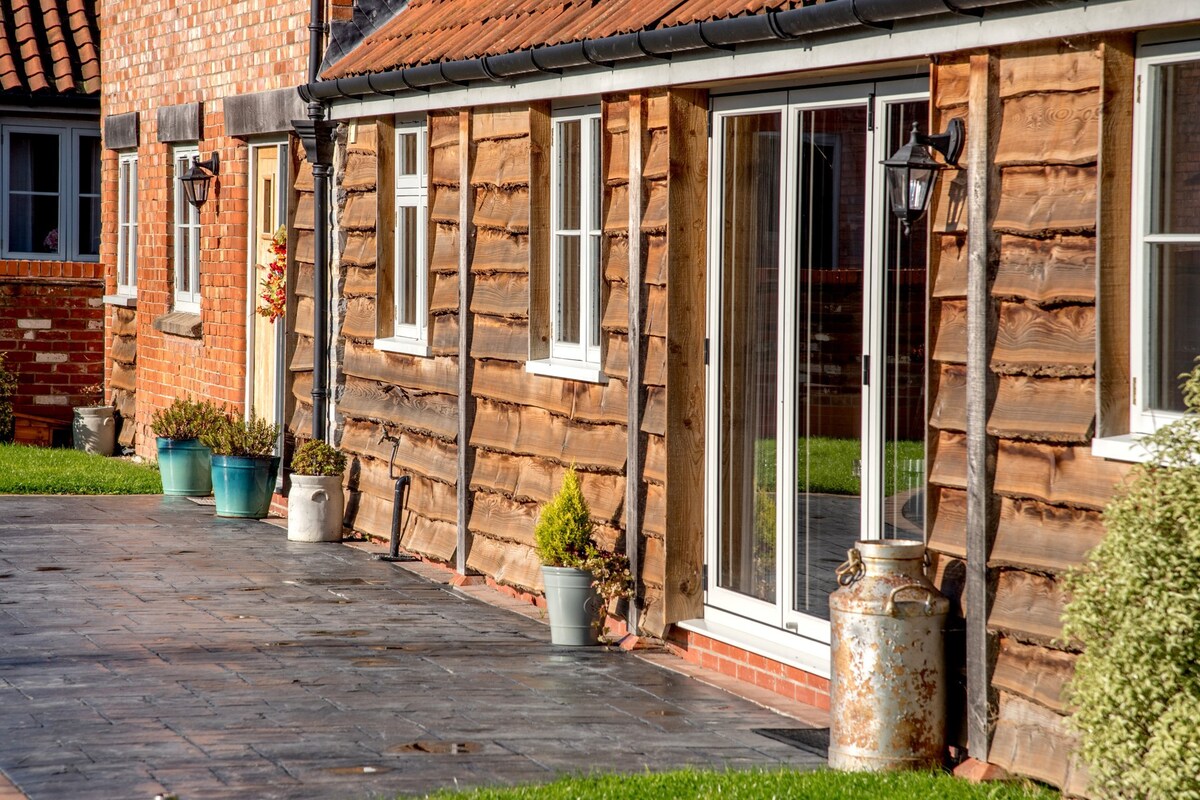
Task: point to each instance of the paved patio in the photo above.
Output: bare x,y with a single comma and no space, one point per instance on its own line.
149,647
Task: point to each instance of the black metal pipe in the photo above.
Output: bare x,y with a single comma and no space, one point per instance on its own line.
722,34
399,502
321,173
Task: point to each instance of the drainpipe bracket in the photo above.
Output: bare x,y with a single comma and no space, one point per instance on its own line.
317,138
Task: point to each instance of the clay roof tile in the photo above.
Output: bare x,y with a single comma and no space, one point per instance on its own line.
49,47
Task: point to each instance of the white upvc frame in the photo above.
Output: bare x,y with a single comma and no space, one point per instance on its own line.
412,193
68,194
1150,58
185,223
280,192
791,105
584,352
127,223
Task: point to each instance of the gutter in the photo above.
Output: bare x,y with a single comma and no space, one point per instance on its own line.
662,43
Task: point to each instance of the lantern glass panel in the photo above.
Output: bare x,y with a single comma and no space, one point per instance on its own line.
920,182
897,190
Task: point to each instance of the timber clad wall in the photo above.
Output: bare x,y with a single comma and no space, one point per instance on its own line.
1047,106
524,429
195,51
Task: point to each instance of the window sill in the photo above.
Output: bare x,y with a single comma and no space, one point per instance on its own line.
180,323
123,300
571,370
412,347
1126,447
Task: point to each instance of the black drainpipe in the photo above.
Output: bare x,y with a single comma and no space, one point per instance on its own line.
316,133
662,43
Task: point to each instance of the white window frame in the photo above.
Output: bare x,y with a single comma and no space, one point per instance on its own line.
412,191
127,224
588,235
1142,418
69,195
185,222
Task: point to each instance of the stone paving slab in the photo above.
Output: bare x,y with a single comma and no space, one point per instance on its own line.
149,647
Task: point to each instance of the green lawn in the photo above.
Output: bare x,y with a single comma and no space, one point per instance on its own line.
829,465
762,785
41,470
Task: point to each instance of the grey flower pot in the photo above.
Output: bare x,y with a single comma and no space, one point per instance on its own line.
574,606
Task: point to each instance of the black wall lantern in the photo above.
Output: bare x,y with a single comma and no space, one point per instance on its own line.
197,179
912,172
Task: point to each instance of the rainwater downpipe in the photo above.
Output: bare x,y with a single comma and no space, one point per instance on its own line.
321,169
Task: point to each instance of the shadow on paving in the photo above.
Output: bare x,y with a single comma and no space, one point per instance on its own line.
150,647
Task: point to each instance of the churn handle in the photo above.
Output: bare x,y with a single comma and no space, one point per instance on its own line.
889,607
852,569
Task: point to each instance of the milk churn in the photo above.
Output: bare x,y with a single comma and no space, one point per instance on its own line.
888,690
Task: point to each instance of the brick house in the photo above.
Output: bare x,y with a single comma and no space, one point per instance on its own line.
651,239
182,84
51,322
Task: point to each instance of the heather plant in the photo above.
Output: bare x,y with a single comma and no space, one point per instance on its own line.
318,458
1135,607
8,387
232,435
185,419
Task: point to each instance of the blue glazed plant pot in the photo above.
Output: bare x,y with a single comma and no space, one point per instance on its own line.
242,486
185,466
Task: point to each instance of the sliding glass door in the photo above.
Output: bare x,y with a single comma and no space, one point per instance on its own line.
817,319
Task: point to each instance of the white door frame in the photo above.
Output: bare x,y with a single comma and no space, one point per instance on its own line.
757,616
281,195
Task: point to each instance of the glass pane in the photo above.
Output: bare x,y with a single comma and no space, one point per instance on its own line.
567,328
749,345
123,193
407,155
1174,334
89,165
182,258
122,255
194,280
568,175
89,226
831,209
596,180
33,163
33,223
406,306
131,258
903,295
1177,149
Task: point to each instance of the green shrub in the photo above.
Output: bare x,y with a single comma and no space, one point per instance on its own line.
1135,606
185,419
318,458
232,435
563,535
8,387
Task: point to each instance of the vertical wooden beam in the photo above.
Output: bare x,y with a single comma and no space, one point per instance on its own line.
385,226
687,132
539,230
466,402
982,187
1112,236
633,458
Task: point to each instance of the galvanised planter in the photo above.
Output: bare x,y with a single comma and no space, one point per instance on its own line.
574,606
242,486
185,466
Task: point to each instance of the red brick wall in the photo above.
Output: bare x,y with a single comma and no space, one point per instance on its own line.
51,330
195,50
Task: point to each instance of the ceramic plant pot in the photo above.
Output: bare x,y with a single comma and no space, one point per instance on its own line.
315,505
574,606
95,430
185,466
242,486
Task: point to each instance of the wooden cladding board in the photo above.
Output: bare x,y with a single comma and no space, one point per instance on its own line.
427,374
506,562
528,478
1035,673
535,431
510,383
1028,607
1033,740
435,413
1069,476
1059,341
1047,198
498,517
1059,269
1043,128
1044,409
415,452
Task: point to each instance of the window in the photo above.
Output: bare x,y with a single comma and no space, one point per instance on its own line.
127,224
407,329
575,239
186,237
1166,233
50,203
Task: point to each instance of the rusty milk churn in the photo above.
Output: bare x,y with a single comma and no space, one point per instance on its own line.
887,691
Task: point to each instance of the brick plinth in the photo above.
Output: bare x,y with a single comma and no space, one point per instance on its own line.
774,676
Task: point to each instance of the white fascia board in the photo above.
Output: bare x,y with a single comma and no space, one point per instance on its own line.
908,41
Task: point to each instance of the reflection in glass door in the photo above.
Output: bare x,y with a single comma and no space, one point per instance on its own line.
817,313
